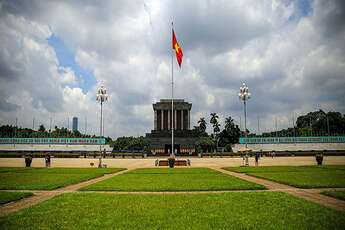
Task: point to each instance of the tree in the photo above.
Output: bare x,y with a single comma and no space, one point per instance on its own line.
215,124
318,122
41,128
205,144
130,143
202,124
230,134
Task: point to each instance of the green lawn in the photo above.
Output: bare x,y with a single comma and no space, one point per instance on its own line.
250,210
299,176
47,178
176,179
336,194
6,197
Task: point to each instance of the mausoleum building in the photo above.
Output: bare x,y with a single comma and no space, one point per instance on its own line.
160,136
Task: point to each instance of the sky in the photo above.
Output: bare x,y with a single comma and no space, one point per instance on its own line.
55,54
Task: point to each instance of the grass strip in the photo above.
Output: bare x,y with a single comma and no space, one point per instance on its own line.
48,178
298,176
249,210
336,194
6,197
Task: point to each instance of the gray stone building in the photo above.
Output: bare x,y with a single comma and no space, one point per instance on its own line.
160,136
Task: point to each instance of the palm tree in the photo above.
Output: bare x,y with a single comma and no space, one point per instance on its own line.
229,123
214,122
202,124
214,118
216,126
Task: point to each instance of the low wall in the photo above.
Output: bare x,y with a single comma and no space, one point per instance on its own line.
292,147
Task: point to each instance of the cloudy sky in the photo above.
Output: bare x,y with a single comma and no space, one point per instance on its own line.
54,55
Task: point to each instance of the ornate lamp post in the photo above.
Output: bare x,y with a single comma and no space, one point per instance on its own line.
244,95
101,97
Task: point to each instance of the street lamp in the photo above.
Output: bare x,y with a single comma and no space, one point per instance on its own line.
101,97
244,95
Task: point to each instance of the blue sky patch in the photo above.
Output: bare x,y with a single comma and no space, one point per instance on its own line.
304,7
67,59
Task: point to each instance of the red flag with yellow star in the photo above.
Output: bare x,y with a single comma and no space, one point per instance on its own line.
177,48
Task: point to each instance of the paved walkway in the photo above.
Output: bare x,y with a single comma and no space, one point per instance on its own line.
216,162
308,194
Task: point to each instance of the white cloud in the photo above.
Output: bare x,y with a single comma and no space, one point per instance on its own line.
67,75
290,63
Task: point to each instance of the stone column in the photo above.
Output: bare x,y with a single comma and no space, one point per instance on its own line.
162,119
155,120
181,119
168,119
188,120
175,119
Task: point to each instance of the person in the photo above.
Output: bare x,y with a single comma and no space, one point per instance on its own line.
256,159
100,162
28,161
48,160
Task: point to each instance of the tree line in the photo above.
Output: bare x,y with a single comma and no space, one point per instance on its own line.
9,131
317,123
218,138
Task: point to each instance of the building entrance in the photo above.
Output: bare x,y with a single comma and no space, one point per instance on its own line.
177,148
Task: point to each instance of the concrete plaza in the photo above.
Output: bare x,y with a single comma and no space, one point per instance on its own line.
131,163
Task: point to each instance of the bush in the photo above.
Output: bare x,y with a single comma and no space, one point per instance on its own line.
228,148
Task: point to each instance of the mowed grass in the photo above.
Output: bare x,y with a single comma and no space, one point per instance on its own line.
176,179
336,194
47,178
250,210
6,197
299,176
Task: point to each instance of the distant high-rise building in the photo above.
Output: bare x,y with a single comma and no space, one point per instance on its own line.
75,124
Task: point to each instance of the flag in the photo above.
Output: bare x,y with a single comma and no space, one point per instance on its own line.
177,49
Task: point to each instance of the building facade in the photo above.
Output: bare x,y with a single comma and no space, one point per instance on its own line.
75,124
164,121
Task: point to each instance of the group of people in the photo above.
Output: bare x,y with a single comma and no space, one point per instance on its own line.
257,157
28,160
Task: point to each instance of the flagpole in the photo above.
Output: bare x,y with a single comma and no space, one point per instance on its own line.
172,95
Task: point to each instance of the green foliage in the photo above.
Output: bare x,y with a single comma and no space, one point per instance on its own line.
264,210
41,128
230,134
47,178
176,179
206,144
299,176
13,131
202,124
215,124
200,130
314,124
228,148
6,197
130,143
